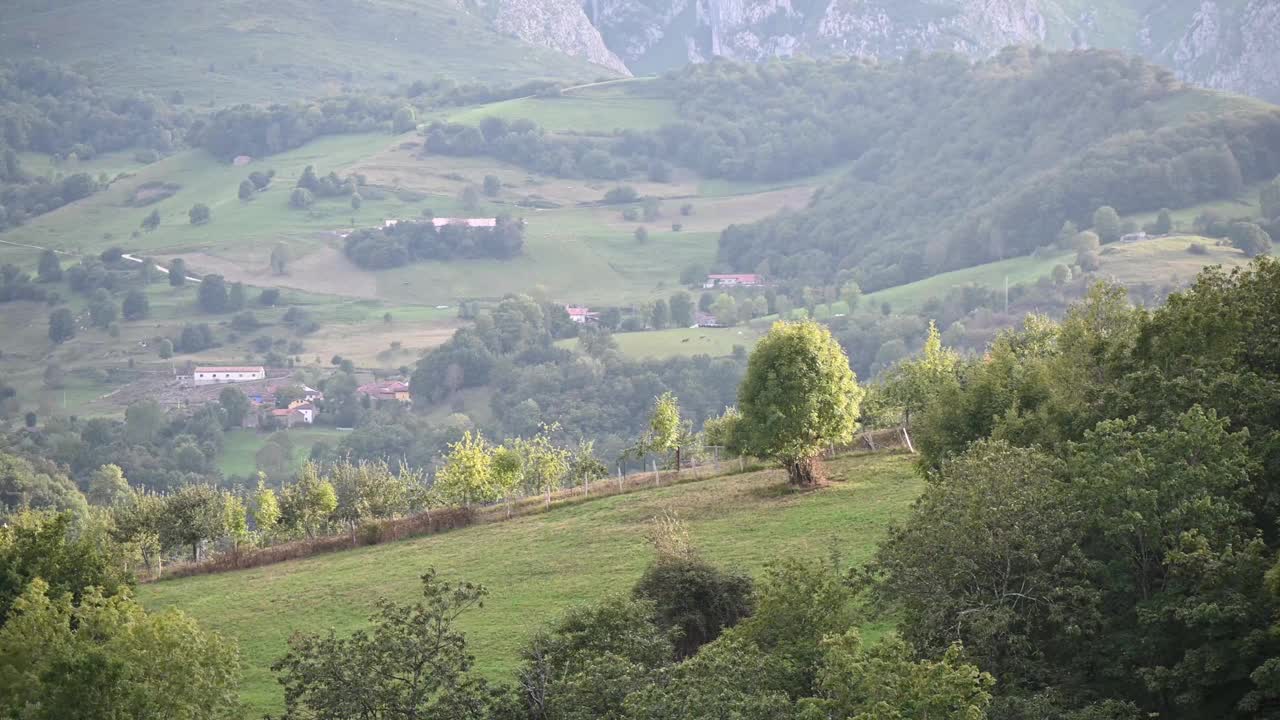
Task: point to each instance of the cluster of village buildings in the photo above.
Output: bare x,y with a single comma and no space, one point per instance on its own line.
299,411
302,410
583,315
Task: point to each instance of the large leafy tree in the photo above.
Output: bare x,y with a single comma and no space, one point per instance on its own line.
368,490
236,405
1250,239
212,296
308,503
798,604
108,486
729,678
467,475
106,657
914,383
50,547
1106,222
412,664
135,305
62,326
266,509
984,558
543,464
586,664
667,432
1128,568
178,272
192,516
887,682
24,485
798,397
102,308
1175,561
692,598
49,268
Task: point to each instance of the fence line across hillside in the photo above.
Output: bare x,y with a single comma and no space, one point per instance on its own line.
433,522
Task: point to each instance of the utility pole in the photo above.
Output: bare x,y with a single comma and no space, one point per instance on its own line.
1006,294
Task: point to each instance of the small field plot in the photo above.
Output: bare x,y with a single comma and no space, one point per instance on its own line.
375,343
111,164
572,267
240,446
1165,260
444,177
702,214
535,567
912,296
716,342
1244,205
633,104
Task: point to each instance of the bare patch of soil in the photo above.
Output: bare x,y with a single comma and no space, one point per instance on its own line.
149,193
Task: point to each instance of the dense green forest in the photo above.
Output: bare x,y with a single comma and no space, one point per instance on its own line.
409,241
46,108
1131,559
957,164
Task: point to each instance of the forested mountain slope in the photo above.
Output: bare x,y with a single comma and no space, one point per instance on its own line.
234,50
1226,44
955,164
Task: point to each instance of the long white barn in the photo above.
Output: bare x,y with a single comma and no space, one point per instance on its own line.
215,375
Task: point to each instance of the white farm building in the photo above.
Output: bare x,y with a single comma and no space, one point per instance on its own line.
220,375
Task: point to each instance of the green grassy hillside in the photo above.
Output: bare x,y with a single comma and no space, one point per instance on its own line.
537,566
635,103
239,447
244,51
1155,261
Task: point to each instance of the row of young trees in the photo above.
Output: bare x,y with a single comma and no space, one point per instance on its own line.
319,500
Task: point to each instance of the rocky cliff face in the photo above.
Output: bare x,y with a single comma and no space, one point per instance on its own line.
1226,44
557,24
1231,49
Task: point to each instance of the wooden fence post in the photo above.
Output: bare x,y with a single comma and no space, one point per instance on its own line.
907,438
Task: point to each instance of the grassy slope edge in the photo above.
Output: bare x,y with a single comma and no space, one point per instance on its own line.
537,566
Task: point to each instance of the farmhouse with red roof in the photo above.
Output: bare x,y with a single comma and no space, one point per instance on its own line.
742,280
580,314
397,390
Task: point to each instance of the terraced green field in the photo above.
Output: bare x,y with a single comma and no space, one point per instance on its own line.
603,108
